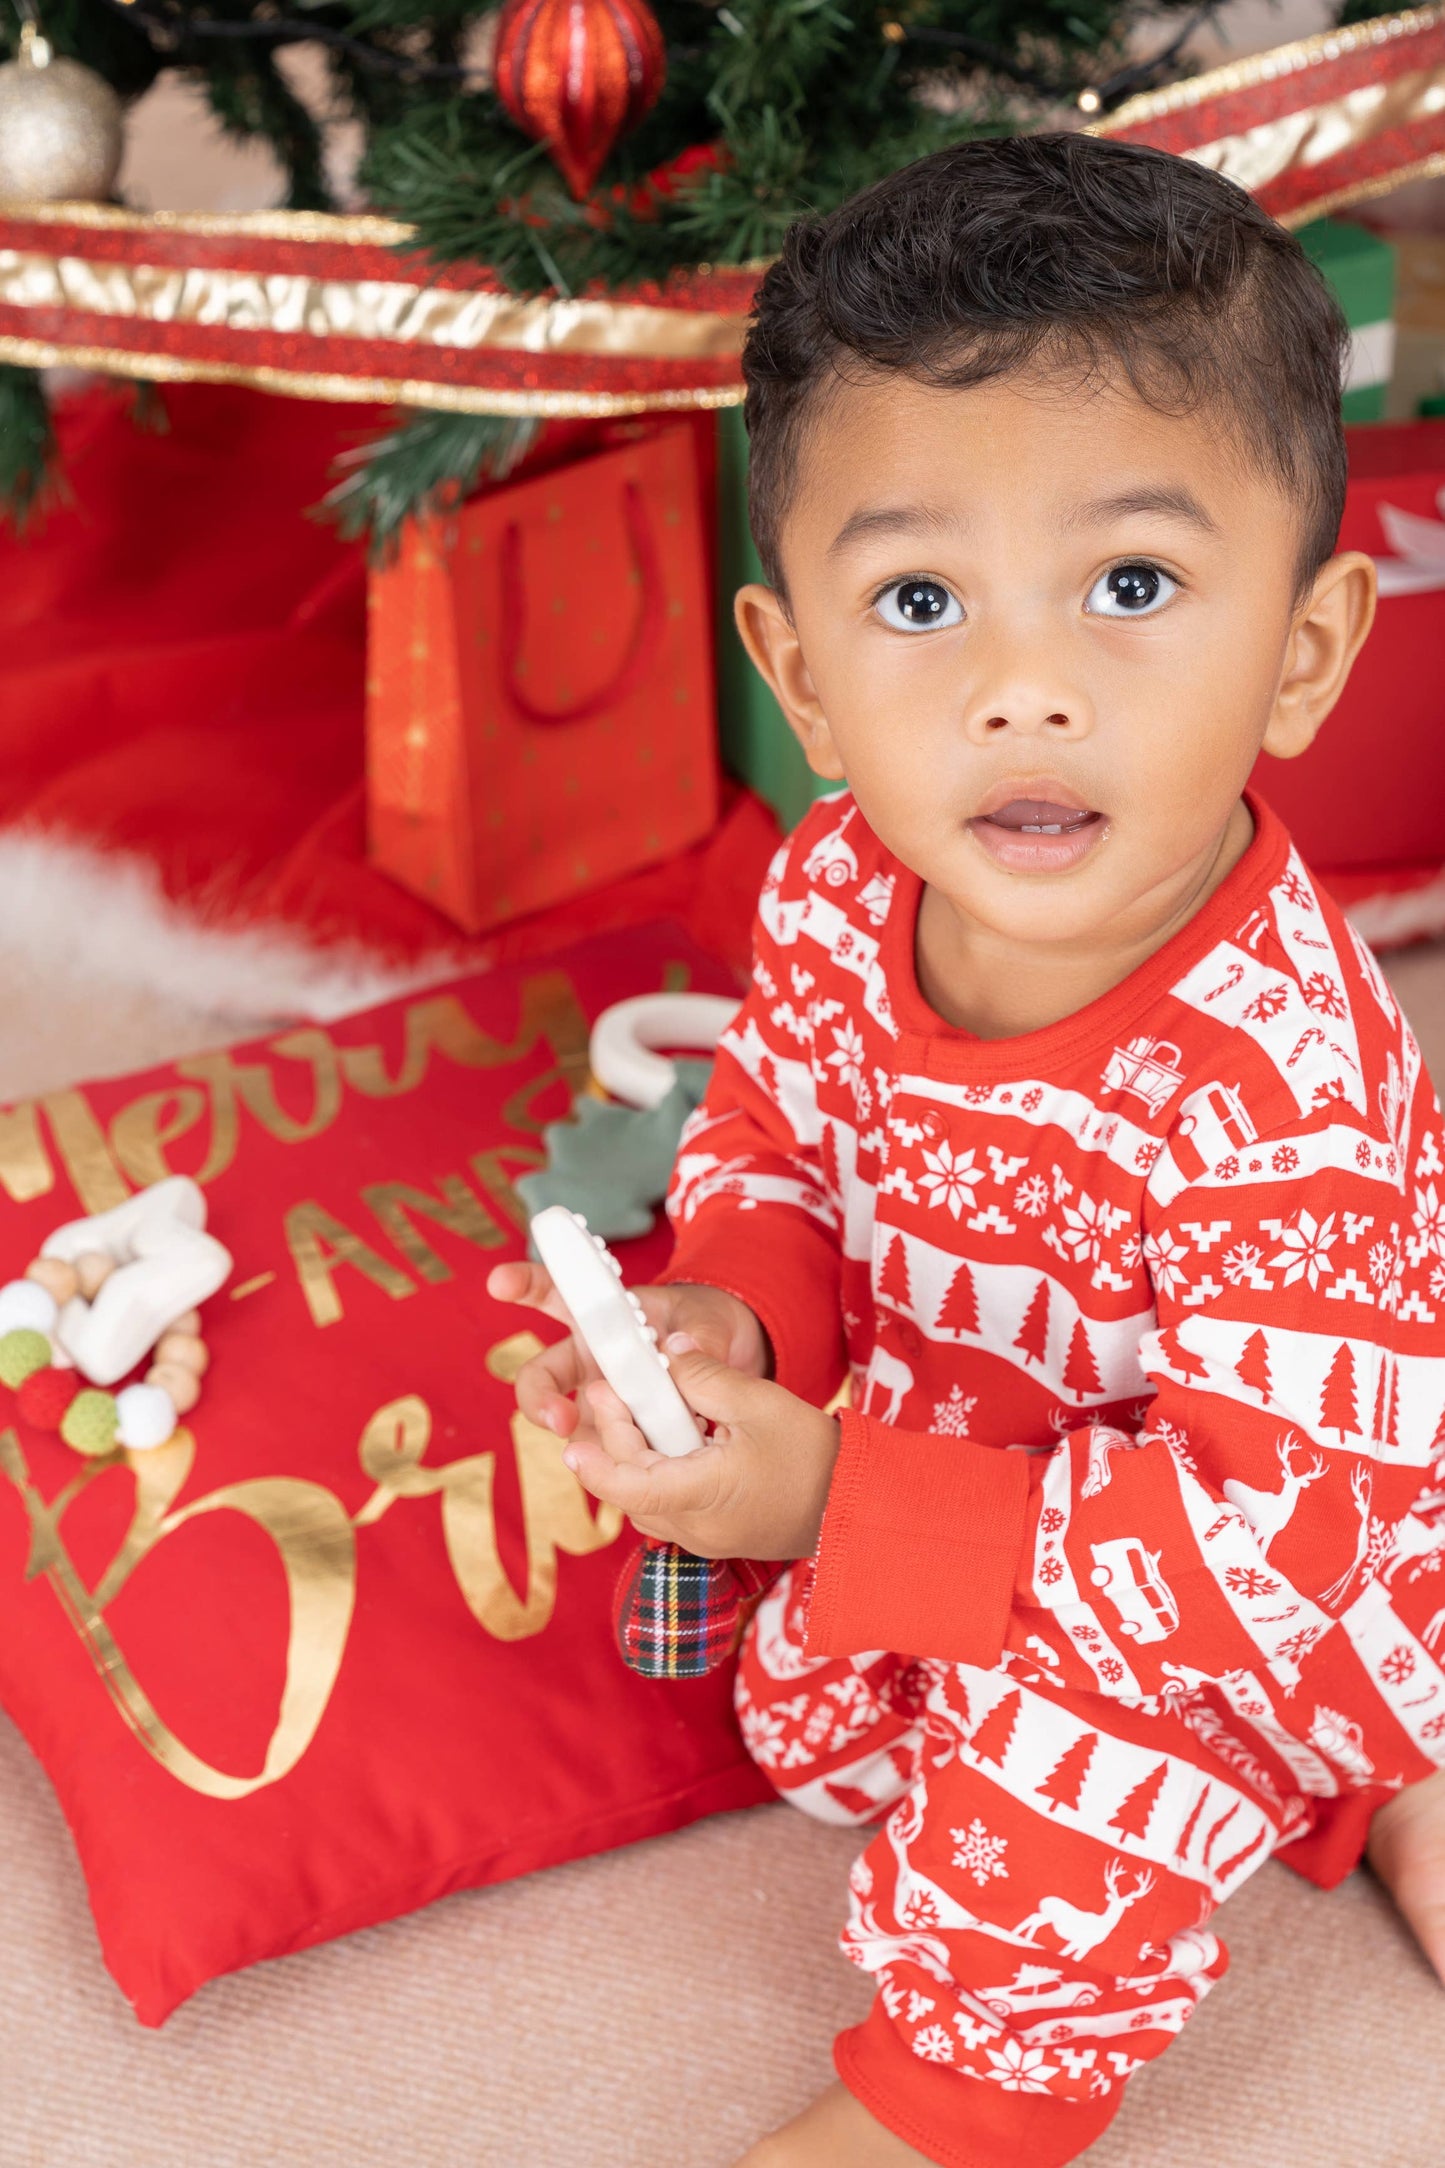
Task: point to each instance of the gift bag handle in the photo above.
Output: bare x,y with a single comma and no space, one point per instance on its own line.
641,648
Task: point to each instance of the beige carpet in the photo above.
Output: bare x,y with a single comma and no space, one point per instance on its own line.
657,2008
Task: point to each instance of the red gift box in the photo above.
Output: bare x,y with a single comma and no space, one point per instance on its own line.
540,709
1366,803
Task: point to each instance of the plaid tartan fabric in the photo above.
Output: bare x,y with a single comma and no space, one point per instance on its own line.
678,1616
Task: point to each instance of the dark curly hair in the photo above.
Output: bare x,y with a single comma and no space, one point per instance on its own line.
1056,252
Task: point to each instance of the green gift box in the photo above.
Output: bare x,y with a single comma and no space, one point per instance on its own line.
1361,269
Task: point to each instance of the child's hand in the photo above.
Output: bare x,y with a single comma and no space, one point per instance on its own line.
756,1489
718,1323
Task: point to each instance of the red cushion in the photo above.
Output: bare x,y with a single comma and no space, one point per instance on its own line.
418,1748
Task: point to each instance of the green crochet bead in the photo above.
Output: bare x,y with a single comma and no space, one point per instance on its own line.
22,1353
89,1423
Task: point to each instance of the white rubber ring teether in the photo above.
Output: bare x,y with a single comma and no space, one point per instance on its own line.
610,1319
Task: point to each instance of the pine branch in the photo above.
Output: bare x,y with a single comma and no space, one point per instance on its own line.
427,462
28,474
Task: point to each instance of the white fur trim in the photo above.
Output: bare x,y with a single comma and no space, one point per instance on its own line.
1400,915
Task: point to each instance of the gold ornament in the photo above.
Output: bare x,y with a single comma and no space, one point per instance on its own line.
60,127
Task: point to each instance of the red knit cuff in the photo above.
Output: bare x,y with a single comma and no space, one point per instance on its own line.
959,2120
786,1270
920,1546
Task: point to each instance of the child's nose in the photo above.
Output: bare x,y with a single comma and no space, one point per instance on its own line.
1016,685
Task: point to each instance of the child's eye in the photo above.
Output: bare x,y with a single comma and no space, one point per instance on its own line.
1130,590
918,606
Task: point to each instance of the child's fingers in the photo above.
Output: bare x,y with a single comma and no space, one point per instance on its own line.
531,1286
615,1428
545,1385
710,1388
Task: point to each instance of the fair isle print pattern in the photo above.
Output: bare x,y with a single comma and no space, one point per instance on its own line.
1033,1904
1187,1250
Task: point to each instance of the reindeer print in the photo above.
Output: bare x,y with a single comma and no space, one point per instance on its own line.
1269,1513
1080,1932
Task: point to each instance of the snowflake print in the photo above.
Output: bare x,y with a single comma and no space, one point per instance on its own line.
1298,1646
860,1878
933,2044
1019,2069
952,1178
1429,1218
1294,888
1086,1633
1434,1728
1382,1262
1162,1253
1088,1226
950,1417
763,1736
1032,1100
1242,1263
920,1910
1250,1582
1226,1170
1437,1283
1398,1666
1285,1159
847,1057
1051,1520
1270,1001
1112,1670
1332,1088
979,1854
1146,1155
1131,1249
1307,1244
1323,995
1051,1571
977,1094
1032,1196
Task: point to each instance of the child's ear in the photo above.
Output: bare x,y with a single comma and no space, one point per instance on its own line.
768,634
1328,633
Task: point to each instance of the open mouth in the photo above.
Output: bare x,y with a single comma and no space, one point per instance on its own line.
1041,817
1043,829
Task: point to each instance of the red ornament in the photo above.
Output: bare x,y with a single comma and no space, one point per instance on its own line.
45,1396
577,74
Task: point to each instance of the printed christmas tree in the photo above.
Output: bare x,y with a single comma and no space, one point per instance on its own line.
1131,1818
1081,1372
1252,1369
960,1305
1064,1782
1178,1357
1033,1335
1337,1402
991,1741
893,1279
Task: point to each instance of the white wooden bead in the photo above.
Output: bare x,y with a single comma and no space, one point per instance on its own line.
56,1276
183,1386
186,1349
26,1306
145,1416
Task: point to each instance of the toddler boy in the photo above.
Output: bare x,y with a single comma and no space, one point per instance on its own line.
1067,1116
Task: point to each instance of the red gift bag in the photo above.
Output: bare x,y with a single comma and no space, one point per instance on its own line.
1366,803
540,714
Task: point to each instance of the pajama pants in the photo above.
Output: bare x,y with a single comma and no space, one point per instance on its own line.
1034,1905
